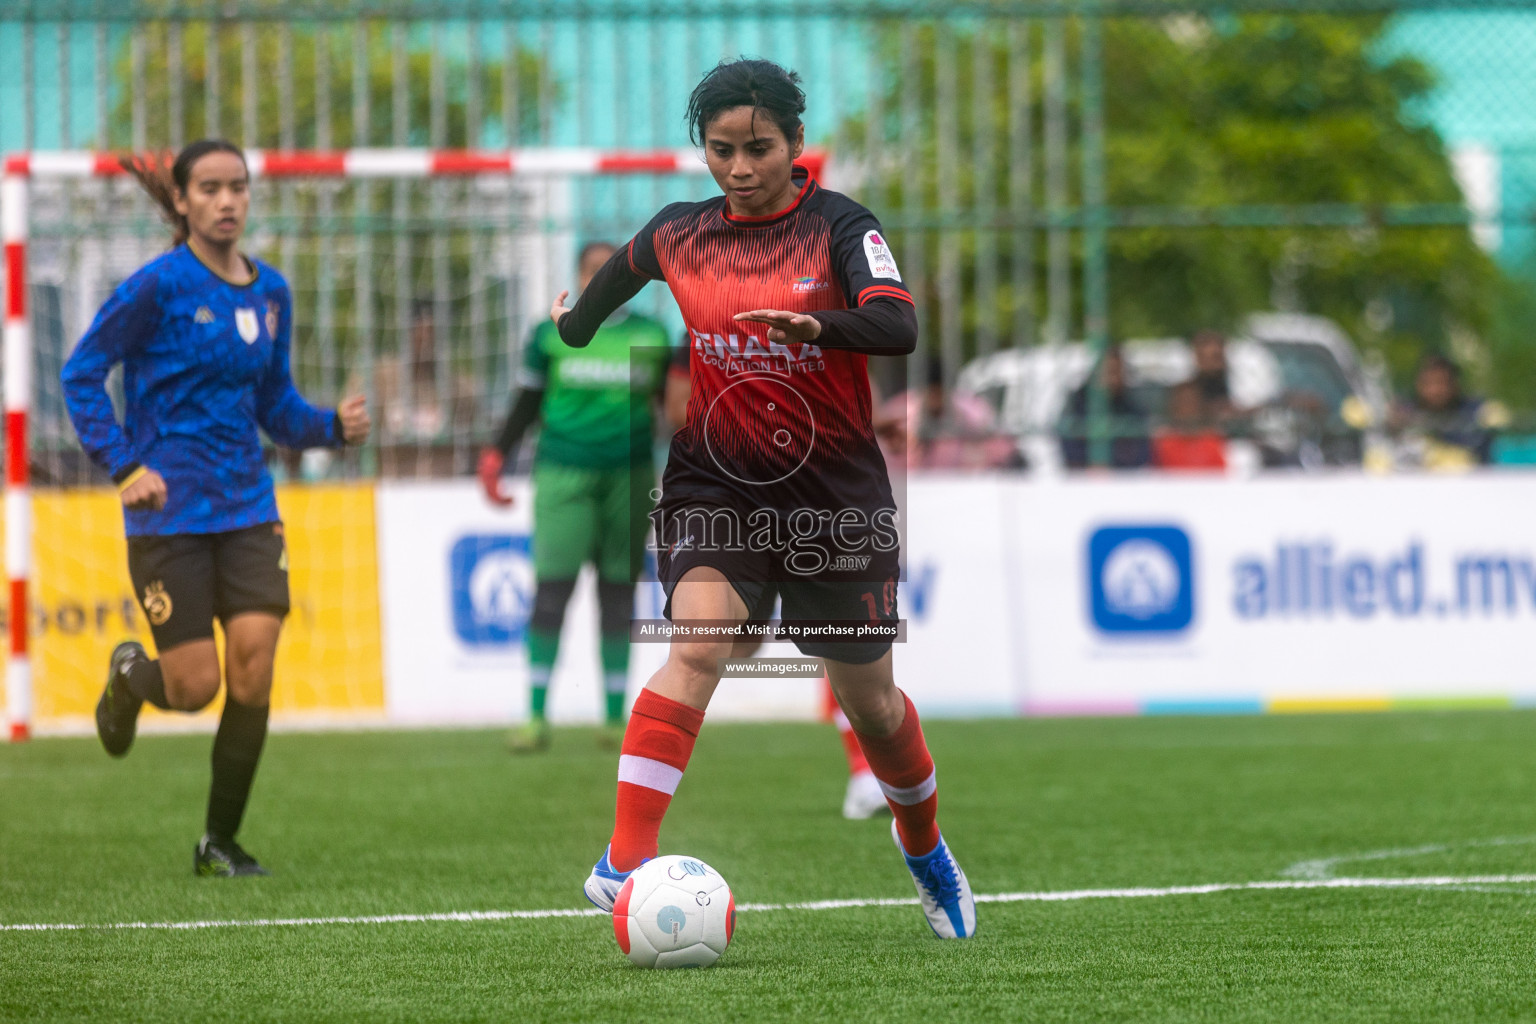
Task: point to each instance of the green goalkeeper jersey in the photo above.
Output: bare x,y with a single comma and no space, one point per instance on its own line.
598,400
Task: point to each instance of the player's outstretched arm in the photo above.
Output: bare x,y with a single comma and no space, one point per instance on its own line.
493,458
293,423
881,327
125,323
355,421
284,414
883,320
784,325
143,488
558,308
615,283
532,381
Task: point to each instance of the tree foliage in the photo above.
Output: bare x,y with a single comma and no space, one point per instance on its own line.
191,78
1260,112
404,237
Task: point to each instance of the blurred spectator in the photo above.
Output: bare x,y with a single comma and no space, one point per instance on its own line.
1304,412
1442,427
1130,448
418,421
1189,439
931,428
1210,381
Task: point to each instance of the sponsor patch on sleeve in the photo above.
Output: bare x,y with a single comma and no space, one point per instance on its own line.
881,262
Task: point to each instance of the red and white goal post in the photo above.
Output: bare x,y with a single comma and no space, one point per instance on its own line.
18,172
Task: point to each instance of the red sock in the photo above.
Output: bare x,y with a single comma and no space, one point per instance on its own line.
901,762
657,745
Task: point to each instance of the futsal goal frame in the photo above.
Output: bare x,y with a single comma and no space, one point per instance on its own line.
19,170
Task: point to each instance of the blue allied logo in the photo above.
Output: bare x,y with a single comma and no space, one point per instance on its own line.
492,578
1141,579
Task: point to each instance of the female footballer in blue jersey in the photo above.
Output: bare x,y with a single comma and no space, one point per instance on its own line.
203,334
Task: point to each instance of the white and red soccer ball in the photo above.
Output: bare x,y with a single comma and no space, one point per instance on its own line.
674,911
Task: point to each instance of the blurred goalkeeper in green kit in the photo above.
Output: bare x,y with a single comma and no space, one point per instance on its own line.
593,475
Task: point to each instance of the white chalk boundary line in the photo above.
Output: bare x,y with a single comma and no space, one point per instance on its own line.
1062,896
1324,867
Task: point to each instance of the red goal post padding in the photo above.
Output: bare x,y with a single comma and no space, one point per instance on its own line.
17,169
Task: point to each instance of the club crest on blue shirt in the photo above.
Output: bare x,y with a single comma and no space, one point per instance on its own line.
245,320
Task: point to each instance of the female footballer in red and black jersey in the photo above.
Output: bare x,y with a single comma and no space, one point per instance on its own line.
775,485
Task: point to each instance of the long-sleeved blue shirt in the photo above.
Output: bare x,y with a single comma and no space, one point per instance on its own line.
205,363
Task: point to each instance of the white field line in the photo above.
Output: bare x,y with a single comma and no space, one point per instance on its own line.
1435,881
1324,867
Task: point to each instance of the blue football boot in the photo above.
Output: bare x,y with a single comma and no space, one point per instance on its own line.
941,889
604,883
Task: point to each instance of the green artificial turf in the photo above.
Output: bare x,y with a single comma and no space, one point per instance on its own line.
358,824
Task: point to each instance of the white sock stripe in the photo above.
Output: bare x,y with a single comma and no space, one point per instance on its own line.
912,794
840,720
615,682
652,774
539,675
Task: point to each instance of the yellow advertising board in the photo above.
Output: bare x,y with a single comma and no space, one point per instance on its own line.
330,657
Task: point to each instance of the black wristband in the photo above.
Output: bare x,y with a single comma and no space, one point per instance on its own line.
126,472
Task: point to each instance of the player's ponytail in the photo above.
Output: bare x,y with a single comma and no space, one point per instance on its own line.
759,84
162,177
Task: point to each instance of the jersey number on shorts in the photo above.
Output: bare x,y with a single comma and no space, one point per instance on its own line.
888,599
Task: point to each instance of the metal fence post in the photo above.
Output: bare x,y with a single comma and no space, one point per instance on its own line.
1095,249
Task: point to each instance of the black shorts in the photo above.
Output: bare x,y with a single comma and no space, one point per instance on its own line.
184,581
838,596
